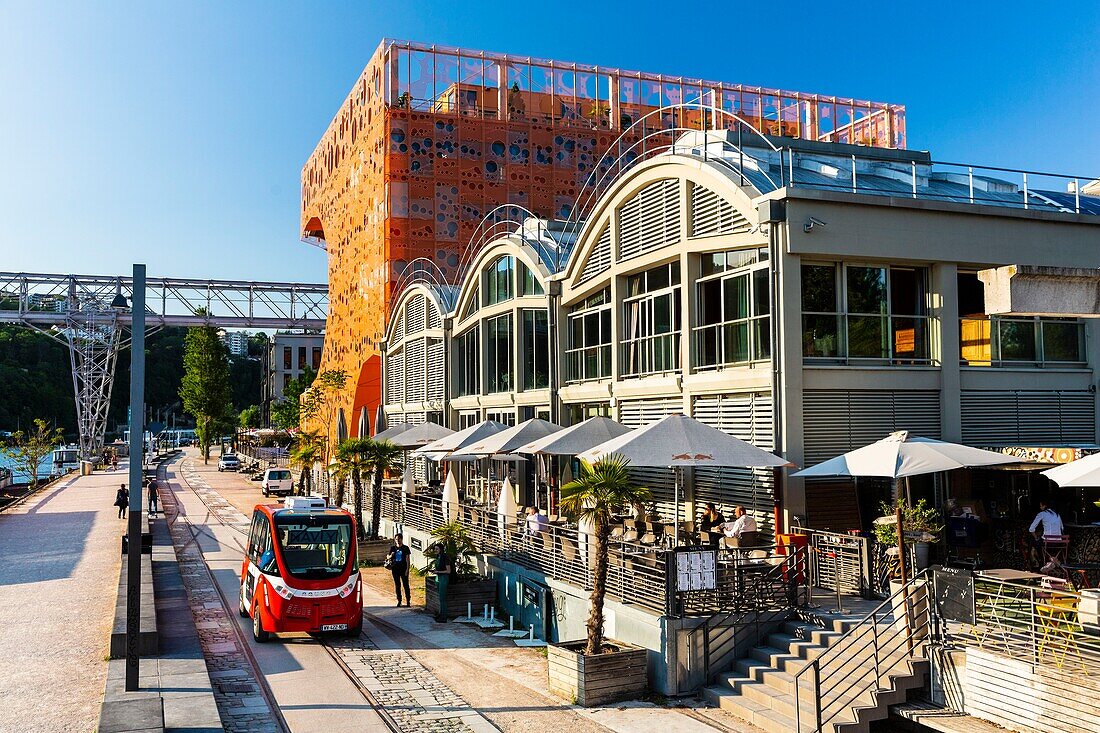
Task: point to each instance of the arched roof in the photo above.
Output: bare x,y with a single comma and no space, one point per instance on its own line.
436,298
513,244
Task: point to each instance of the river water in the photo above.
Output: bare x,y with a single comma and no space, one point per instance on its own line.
20,477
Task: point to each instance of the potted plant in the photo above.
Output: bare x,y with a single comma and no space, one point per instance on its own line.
466,586
919,519
596,670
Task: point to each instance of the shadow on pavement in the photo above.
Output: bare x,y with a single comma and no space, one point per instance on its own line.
39,547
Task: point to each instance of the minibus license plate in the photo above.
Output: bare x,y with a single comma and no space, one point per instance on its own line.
334,627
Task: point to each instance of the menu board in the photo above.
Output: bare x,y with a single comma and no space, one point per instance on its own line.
954,589
695,570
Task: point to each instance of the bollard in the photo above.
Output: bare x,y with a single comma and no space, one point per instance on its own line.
485,612
531,635
469,609
493,614
511,623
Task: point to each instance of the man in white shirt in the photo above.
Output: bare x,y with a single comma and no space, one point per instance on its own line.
1052,523
536,521
741,524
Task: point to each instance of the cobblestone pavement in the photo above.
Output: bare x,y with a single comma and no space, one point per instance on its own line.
241,704
413,697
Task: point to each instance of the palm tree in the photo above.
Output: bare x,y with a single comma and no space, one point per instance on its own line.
598,491
306,451
383,457
353,459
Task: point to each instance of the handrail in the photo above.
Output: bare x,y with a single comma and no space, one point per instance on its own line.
882,646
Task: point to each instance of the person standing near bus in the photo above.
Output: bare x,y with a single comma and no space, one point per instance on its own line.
398,563
444,565
122,498
154,498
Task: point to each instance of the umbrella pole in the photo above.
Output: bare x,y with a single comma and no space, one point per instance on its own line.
676,508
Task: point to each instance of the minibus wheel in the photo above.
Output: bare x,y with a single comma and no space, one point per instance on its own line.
258,632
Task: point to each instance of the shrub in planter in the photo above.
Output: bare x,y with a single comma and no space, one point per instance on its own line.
466,584
596,671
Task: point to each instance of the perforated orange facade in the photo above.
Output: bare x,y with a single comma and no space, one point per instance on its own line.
430,140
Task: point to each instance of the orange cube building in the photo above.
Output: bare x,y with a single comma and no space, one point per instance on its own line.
431,140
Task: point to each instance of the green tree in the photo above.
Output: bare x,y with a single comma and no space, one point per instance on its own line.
383,456
306,451
285,414
600,490
250,417
353,458
27,450
205,388
319,404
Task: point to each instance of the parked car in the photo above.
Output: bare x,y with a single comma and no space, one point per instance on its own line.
277,481
229,462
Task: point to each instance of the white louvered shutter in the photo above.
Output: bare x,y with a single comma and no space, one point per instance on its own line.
711,214
650,220
837,421
600,258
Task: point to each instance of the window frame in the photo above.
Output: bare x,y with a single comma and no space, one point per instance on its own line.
578,356
645,355
754,322
843,316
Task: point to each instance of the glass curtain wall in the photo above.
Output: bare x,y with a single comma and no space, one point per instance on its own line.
536,349
499,354
468,363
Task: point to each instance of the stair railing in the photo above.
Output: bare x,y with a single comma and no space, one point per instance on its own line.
769,593
884,641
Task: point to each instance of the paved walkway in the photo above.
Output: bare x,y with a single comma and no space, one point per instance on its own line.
59,565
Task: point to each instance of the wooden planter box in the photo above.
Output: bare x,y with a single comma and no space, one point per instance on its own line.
608,677
475,592
374,551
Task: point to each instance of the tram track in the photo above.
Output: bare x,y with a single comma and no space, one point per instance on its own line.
387,720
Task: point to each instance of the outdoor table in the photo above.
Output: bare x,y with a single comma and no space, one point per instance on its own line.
1008,575
1001,606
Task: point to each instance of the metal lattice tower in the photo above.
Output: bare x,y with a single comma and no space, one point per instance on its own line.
93,336
76,311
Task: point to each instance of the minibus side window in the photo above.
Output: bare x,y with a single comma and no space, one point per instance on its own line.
266,560
253,536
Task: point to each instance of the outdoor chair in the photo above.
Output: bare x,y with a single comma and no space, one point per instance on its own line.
1055,551
630,535
617,532
1056,611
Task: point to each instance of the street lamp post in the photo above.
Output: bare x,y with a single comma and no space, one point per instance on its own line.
137,460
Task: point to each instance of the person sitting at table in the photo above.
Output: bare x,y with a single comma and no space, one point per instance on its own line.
1049,519
536,521
712,518
741,526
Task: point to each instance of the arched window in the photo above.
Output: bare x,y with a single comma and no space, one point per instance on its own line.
499,279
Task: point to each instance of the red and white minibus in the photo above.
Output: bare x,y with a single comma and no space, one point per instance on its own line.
300,571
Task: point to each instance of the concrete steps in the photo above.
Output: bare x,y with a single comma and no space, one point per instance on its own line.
760,688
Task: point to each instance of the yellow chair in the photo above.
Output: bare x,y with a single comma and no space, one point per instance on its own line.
1056,612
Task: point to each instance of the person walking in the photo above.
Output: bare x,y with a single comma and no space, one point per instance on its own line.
398,562
114,460
444,565
122,499
154,498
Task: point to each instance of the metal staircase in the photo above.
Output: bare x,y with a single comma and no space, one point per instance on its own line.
832,677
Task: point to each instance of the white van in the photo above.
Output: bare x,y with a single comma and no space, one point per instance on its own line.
278,481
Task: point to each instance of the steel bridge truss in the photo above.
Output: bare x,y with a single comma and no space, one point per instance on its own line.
77,311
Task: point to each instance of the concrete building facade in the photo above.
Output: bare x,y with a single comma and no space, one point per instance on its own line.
287,355
432,140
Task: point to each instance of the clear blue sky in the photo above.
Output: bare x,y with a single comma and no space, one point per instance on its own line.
173,132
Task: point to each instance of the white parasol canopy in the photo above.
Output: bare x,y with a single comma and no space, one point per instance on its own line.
391,433
506,506
454,442
450,499
576,438
1082,473
419,435
900,454
506,441
678,440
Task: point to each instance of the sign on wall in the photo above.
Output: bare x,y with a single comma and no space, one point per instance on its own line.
695,570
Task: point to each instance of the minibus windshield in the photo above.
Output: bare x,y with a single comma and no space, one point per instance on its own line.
314,548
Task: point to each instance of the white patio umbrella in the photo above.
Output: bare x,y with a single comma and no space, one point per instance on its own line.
420,435
506,441
391,433
575,439
506,507
676,441
902,454
450,499
455,442
1082,473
